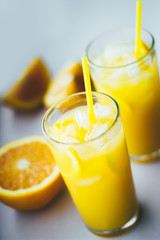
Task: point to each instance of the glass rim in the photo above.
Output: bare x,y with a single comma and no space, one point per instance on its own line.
91,63
73,95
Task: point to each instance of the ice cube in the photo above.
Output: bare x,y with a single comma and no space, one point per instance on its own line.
54,132
98,61
118,50
148,60
68,139
102,110
133,71
82,119
96,131
97,144
64,136
71,129
116,74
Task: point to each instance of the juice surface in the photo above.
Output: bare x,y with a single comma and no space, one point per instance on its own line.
136,88
95,165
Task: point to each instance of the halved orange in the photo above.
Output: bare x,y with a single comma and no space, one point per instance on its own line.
29,176
27,92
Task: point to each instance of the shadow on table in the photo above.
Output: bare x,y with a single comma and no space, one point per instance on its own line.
59,205
145,222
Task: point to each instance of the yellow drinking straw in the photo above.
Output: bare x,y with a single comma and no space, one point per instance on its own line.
87,83
138,29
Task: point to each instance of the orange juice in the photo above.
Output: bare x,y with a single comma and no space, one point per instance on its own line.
94,162
135,85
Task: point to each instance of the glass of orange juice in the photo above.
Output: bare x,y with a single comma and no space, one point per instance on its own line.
94,161
134,83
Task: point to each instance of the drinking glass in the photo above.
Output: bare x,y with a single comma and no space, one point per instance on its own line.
135,86
97,172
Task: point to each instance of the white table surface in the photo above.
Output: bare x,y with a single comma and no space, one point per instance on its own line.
59,31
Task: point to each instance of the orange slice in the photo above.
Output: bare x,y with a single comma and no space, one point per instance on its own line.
29,176
69,81
28,91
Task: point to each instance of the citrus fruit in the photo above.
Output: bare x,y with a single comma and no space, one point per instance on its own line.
69,81
28,91
29,176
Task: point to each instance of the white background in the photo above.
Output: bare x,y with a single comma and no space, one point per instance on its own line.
58,31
